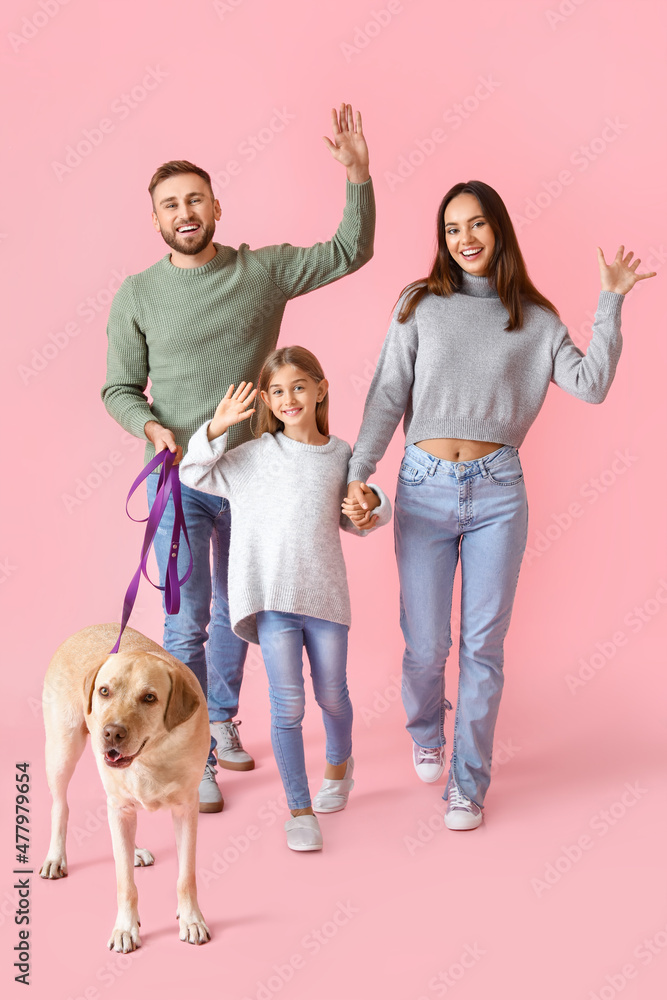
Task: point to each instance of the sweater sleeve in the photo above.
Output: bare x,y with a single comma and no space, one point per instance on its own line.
383,514
296,270
589,376
206,465
388,396
123,393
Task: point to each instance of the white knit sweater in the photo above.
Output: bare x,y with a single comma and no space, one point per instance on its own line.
285,552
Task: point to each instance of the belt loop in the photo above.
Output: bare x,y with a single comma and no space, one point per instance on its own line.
433,466
482,467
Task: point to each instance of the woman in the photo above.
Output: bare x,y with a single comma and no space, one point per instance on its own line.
467,361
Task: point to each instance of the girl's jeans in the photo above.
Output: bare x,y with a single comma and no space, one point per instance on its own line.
479,509
282,637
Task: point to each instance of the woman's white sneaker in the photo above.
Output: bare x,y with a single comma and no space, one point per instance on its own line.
334,793
303,833
461,813
429,761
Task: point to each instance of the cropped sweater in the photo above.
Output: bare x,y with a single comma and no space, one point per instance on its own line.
285,552
453,371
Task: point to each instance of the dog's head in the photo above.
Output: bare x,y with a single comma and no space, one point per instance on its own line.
133,700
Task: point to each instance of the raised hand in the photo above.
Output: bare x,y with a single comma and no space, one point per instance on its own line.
621,274
349,145
232,409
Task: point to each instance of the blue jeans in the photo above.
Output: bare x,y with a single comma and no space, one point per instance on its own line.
282,638
478,509
218,663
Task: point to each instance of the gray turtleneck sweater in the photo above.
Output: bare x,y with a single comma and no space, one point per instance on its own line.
455,372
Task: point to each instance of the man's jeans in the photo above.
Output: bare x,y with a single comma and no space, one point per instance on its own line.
282,638
479,509
218,663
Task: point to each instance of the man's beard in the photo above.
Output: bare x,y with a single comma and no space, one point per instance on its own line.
189,246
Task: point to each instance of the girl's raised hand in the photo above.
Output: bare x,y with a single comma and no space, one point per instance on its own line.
621,274
232,409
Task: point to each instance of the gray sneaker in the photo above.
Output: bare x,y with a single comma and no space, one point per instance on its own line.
210,796
229,751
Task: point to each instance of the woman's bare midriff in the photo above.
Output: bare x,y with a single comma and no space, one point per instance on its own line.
454,450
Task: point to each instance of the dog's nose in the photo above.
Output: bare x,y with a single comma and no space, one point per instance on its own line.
114,735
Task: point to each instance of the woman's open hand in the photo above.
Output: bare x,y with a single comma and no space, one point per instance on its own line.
232,409
621,274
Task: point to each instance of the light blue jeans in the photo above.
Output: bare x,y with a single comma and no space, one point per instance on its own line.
218,662
282,638
479,510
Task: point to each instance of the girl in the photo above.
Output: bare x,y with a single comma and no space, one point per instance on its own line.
467,360
287,583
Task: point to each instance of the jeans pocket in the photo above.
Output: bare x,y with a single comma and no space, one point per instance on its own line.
411,474
507,473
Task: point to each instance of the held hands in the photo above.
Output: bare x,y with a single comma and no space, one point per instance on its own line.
359,503
232,409
620,275
162,438
349,146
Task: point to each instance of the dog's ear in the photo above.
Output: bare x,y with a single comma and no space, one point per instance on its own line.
183,701
89,685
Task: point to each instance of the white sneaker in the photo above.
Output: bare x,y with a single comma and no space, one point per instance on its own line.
229,751
210,796
303,833
461,813
333,795
429,761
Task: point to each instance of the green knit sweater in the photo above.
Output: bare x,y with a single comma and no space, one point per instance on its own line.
195,331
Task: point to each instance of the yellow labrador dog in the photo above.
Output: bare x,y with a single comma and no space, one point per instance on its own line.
148,722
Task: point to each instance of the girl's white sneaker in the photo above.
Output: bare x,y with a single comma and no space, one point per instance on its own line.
461,813
429,761
334,793
303,833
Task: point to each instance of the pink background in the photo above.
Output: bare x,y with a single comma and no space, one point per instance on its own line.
395,913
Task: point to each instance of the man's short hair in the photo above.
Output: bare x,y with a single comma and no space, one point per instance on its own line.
174,167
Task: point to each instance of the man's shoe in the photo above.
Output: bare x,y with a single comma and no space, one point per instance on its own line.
461,813
333,795
229,751
210,796
429,761
303,833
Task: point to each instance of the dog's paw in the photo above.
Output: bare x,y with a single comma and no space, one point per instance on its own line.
124,938
143,857
193,928
54,868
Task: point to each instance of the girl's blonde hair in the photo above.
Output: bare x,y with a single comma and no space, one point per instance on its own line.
297,357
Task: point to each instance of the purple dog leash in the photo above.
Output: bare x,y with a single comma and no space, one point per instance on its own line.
168,485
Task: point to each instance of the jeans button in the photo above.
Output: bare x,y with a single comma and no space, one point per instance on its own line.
462,468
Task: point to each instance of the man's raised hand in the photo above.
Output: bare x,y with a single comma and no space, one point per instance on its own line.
349,145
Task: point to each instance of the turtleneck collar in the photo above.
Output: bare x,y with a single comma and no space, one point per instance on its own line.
478,285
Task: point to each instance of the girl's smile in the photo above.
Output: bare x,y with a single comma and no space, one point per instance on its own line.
292,397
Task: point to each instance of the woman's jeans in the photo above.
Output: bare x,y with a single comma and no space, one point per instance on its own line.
218,663
282,638
478,508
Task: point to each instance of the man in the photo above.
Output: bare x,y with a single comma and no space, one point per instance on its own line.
202,318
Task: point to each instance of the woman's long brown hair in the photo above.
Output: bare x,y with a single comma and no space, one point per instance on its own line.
507,267
297,357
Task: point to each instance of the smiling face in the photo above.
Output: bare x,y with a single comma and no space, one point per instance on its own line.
185,213
292,397
470,238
